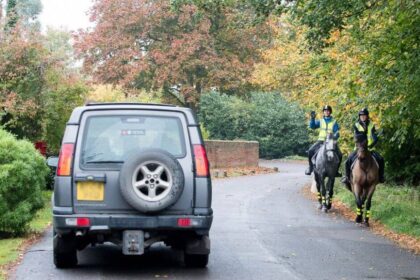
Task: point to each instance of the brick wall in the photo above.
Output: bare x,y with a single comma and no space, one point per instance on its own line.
227,154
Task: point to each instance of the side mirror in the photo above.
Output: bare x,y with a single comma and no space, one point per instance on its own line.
52,162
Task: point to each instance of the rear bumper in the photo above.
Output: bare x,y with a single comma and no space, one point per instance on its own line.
109,223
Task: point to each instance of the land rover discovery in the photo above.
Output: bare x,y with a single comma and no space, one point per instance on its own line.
133,175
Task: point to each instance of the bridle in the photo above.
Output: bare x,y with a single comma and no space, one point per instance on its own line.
329,147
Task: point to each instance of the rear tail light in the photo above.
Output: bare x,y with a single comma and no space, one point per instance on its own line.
184,222
83,222
188,222
201,161
78,222
65,160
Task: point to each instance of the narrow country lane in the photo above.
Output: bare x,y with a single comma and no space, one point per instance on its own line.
263,229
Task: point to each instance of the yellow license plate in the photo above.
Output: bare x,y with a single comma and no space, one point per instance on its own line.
91,191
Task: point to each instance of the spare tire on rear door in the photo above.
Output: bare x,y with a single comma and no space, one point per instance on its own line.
151,180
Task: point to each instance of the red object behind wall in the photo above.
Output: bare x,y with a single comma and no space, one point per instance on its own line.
41,146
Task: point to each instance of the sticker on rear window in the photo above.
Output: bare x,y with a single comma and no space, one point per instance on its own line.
132,132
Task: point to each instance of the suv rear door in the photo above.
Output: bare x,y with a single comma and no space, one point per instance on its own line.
107,137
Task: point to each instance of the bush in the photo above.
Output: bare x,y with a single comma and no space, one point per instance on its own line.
22,179
278,125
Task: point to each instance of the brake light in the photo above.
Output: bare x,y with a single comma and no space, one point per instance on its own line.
65,160
201,161
79,222
83,222
184,222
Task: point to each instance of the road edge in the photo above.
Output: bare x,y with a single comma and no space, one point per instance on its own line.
402,240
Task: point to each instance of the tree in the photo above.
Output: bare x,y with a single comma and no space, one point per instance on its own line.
150,45
38,89
369,57
29,9
11,14
22,64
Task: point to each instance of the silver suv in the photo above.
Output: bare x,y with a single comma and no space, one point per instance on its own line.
133,175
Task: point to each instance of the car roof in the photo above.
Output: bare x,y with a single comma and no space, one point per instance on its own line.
92,106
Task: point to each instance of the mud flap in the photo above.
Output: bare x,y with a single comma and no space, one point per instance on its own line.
133,242
199,246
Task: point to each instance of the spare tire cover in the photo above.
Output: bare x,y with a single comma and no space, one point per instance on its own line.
151,180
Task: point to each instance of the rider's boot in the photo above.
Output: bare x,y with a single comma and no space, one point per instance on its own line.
340,157
381,178
346,178
381,175
309,170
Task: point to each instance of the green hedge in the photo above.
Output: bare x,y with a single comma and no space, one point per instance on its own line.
22,179
278,125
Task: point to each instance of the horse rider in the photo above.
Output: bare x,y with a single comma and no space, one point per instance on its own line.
327,125
365,126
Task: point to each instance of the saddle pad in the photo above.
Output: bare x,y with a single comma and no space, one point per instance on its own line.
354,162
313,159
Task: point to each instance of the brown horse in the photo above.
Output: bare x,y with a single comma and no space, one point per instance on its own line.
364,178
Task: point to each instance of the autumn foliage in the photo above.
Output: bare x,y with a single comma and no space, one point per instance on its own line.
38,90
184,50
353,54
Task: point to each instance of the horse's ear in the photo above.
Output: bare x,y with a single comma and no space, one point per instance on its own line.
360,137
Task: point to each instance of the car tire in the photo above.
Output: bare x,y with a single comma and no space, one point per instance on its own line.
129,172
64,250
196,261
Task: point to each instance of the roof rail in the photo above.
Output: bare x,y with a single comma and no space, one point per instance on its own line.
126,103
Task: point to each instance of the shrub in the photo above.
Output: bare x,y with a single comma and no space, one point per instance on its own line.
22,178
278,125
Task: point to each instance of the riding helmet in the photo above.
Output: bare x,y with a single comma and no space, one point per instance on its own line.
327,107
364,111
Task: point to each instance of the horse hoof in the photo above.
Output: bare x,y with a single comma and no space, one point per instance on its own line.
329,206
320,206
358,220
324,209
366,224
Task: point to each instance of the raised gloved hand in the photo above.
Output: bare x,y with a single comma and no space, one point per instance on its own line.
313,114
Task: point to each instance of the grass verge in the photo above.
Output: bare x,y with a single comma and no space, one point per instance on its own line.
395,212
398,208
296,157
11,248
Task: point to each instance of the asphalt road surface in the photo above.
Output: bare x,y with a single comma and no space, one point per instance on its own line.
263,229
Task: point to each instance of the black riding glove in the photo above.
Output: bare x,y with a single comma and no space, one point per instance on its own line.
313,114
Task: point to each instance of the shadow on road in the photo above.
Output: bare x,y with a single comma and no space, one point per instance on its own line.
159,262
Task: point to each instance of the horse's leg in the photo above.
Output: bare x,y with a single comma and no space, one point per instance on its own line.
318,188
359,203
368,205
330,192
324,195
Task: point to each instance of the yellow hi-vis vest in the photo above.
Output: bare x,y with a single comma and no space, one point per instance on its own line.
325,128
369,133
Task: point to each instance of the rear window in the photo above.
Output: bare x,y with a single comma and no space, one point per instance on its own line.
112,139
